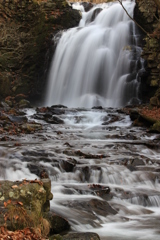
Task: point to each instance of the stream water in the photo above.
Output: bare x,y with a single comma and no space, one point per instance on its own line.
92,152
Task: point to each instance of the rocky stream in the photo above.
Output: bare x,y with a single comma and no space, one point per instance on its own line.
104,171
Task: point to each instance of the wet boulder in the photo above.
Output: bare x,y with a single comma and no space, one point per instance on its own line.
38,170
97,107
55,120
94,15
76,236
87,6
57,223
67,165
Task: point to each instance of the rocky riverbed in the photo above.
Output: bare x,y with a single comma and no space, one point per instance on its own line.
104,170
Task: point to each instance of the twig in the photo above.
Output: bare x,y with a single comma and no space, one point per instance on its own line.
120,1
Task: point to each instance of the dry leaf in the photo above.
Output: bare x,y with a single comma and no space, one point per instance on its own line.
20,203
14,186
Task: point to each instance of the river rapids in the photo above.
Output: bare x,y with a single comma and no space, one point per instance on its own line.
104,171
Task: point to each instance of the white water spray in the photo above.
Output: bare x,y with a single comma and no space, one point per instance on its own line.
95,63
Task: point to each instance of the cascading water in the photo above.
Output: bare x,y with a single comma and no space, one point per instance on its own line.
96,63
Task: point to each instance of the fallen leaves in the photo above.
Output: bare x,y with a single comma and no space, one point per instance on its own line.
27,234
152,113
7,203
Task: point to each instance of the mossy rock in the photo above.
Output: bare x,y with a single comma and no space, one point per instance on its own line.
156,127
5,84
23,203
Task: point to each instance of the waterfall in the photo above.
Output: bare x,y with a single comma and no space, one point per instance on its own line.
96,62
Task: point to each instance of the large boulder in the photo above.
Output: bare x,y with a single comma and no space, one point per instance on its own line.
23,203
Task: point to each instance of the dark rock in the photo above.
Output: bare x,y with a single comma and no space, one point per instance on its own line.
47,115
58,224
87,6
55,120
17,119
94,207
67,165
99,190
131,167
148,20
95,13
101,207
56,111
81,236
58,106
38,170
137,162
110,119
134,114
88,155
97,107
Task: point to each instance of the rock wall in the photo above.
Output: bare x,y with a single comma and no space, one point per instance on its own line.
147,13
27,27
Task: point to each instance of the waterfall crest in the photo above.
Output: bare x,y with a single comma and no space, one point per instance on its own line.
96,63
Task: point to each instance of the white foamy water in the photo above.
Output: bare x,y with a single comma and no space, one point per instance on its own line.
96,63
111,150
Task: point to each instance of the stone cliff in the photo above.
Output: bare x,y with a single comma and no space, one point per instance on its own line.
27,27
147,13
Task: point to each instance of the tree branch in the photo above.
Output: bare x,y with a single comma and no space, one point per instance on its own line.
120,1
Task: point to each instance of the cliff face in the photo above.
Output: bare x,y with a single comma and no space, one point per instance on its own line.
147,13
27,27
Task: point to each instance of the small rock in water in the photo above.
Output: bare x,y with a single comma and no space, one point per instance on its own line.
97,107
87,6
55,120
67,165
58,106
95,13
